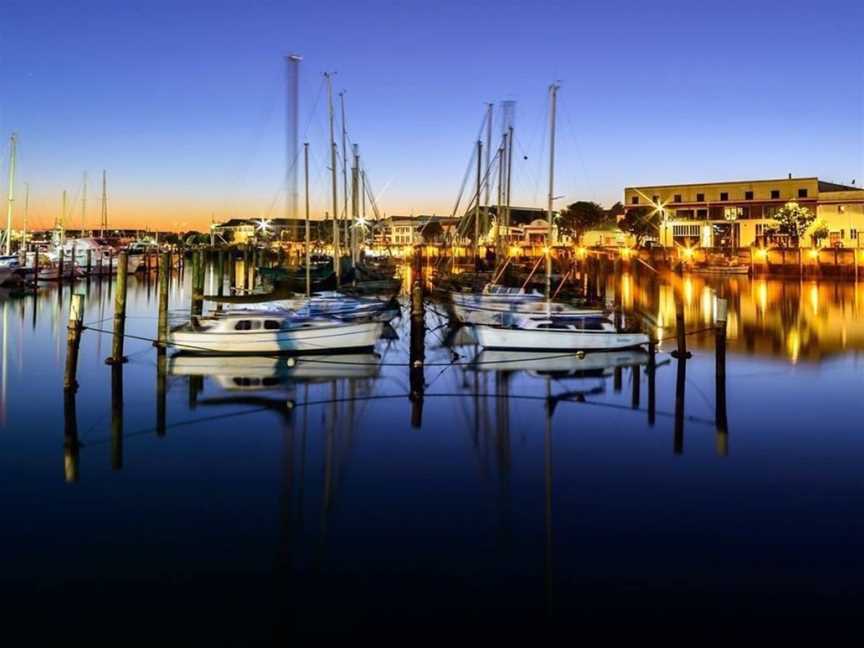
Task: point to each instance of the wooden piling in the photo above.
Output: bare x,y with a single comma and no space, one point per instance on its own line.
680,382
161,384
417,354
70,437
60,267
721,423
119,312
89,263
635,395
164,276
116,416
73,342
220,276
651,371
680,326
196,307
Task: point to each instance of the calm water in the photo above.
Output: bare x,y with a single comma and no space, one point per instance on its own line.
316,498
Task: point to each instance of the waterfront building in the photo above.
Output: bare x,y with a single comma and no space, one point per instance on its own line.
740,213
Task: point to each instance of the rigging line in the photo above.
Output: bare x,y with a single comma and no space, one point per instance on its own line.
579,154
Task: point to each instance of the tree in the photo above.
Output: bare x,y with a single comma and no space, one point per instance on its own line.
641,222
793,219
432,232
616,210
820,233
578,218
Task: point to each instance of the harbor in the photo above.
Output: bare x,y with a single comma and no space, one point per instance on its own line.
473,321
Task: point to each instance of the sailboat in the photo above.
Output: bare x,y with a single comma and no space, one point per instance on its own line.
264,332
550,330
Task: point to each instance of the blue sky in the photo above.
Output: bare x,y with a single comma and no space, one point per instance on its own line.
184,103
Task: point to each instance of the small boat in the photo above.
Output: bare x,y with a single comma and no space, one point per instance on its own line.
557,332
272,332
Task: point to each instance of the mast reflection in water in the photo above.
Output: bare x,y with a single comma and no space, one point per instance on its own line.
251,499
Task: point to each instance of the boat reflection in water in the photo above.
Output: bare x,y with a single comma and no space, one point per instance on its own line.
560,365
253,373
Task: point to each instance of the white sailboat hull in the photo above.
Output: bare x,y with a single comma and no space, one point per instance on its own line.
491,337
304,338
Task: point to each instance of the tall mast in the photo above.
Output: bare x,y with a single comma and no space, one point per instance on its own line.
26,214
477,206
292,84
306,180
488,183
355,204
104,222
345,173
500,244
11,198
553,96
336,264
63,220
84,205
509,169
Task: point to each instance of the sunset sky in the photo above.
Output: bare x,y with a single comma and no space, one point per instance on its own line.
183,103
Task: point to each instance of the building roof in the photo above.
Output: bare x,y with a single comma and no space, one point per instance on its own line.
833,186
724,182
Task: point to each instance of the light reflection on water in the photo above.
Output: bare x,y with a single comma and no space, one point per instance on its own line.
319,495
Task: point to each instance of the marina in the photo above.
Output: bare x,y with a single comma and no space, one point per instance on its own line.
468,322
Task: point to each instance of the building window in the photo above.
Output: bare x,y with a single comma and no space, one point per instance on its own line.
634,200
702,214
853,234
655,200
677,198
700,197
802,193
733,213
690,231
748,195
775,194
770,211
841,209
684,214
724,195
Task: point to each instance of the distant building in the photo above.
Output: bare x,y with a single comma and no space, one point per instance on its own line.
239,230
716,214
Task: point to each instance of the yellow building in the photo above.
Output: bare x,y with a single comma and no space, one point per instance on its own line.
723,214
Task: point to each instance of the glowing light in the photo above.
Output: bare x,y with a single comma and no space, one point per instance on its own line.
262,225
625,253
582,252
814,254
762,253
687,252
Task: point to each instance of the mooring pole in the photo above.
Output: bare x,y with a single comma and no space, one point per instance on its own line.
722,436
164,276
119,312
70,437
220,276
417,355
196,296
680,352
161,382
73,342
116,416
652,382
89,263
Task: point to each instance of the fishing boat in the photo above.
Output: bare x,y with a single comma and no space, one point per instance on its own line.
272,332
557,332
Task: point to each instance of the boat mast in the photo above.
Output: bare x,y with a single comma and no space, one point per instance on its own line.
509,146
26,213
355,204
345,174
63,220
84,206
477,206
306,180
11,199
553,94
489,108
104,224
336,264
500,245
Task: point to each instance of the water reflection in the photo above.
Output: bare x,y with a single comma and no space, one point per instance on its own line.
400,471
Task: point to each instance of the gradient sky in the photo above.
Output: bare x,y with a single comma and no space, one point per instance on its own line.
183,102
